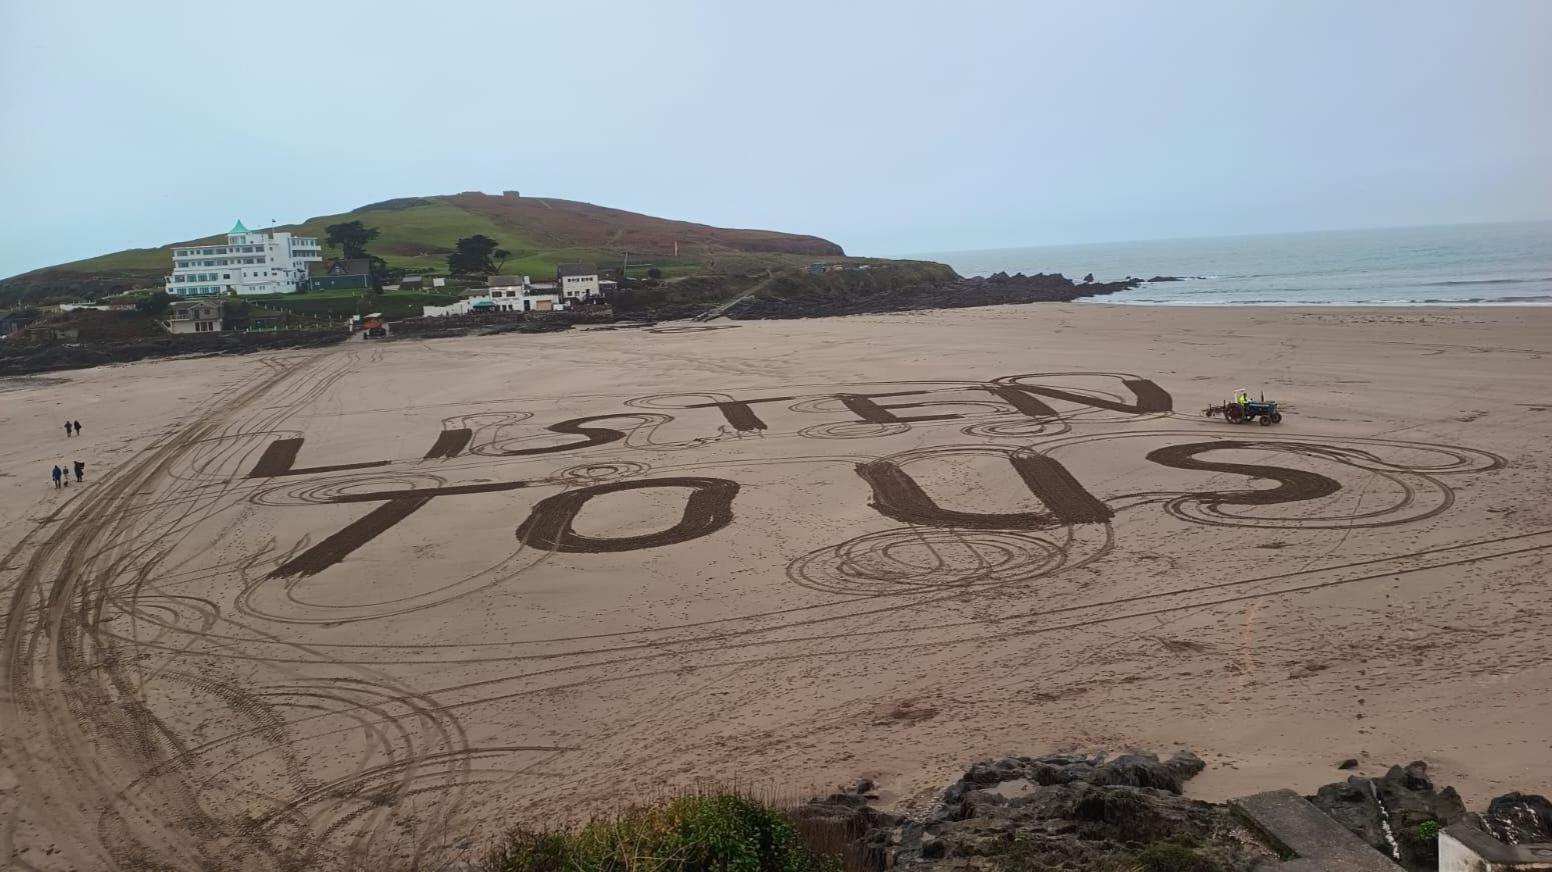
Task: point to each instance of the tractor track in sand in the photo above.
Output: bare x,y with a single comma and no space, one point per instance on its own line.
97,767
98,641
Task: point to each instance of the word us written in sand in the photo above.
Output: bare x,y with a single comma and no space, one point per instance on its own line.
1022,421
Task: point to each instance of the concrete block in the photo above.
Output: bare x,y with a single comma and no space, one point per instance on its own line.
1294,826
1464,848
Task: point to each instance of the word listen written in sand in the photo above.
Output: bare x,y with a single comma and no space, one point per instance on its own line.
708,501
708,505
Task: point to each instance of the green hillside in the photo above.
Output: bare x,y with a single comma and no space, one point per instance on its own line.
417,233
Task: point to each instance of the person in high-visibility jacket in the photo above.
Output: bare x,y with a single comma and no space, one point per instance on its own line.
1241,396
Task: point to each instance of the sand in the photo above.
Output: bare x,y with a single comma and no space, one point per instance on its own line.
365,606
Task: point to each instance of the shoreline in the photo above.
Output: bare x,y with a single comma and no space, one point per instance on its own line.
1345,304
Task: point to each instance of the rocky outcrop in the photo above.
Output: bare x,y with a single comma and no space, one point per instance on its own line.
1080,812
1399,814
1055,812
1518,819
993,290
24,359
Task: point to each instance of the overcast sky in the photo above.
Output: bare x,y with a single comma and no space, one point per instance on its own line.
890,127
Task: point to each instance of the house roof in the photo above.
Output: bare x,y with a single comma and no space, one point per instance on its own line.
575,269
355,266
504,281
238,228
192,304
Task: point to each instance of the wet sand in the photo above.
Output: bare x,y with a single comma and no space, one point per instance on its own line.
367,605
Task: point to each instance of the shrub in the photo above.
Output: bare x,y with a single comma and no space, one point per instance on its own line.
1428,830
719,831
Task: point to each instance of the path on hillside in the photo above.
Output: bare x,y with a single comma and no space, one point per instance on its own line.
723,308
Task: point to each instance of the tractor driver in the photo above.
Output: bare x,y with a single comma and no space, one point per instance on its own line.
1241,396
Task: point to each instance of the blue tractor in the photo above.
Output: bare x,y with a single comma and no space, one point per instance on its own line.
1243,410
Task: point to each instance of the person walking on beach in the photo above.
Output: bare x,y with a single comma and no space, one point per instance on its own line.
58,474
67,429
80,470
78,428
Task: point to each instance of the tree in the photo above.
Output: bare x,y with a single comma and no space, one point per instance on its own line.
501,255
235,314
379,273
155,305
351,236
472,256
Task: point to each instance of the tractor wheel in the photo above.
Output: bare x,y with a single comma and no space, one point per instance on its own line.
1234,414
1266,420
1277,417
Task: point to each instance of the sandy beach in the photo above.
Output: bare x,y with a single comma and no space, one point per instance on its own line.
369,605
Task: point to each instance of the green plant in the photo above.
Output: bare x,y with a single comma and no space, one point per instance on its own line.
1172,856
720,831
1428,830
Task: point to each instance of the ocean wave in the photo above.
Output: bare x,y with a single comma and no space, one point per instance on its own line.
1453,283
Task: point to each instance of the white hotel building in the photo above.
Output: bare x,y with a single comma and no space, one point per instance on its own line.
248,263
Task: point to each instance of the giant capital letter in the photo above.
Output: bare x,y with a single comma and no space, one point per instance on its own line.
897,495
1150,397
1293,485
577,426
708,509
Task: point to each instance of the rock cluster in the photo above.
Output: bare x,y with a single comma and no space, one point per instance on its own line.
1392,813
1081,812
996,289
1049,813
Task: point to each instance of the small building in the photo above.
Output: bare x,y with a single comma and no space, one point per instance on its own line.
50,331
439,283
506,291
194,316
412,282
578,281
339,274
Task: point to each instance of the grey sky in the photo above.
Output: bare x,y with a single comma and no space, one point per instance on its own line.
889,127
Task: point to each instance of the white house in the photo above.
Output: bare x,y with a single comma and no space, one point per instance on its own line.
505,294
577,281
247,263
194,316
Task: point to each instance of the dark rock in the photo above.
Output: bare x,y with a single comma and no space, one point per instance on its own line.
1166,279
1349,763
994,290
1059,811
1389,812
1078,812
933,848
1518,818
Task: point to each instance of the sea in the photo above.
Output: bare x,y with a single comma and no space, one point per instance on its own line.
1471,264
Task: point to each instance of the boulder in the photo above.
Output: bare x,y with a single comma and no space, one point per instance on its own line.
1519,818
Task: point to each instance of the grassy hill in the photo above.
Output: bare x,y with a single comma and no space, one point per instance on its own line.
417,233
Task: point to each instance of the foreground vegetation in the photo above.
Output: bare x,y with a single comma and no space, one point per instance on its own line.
722,831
